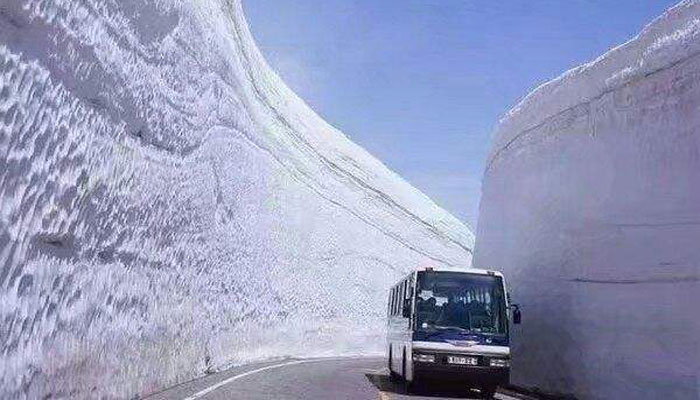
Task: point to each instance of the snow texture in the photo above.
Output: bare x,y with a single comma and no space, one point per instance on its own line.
169,206
591,206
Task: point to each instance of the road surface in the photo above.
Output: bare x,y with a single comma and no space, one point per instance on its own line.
313,379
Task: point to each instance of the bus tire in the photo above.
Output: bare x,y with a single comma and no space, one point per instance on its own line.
392,375
403,366
406,383
488,392
388,360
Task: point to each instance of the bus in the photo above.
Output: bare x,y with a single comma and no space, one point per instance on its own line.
451,326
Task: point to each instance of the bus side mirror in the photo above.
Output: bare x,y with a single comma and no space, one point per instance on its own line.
517,316
406,308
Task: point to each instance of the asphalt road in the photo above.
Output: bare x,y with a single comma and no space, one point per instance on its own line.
314,379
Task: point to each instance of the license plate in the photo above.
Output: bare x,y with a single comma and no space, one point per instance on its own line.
461,360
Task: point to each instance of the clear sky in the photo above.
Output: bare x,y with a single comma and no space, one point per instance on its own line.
421,83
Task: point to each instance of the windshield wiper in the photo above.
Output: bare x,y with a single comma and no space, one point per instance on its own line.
457,328
441,329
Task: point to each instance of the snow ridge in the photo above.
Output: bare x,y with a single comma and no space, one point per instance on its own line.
591,207
668,40
170,207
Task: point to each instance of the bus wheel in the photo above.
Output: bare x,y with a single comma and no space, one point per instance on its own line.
406,383
403,366
488,392
388,360
392,375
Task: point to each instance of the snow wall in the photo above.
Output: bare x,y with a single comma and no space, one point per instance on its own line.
591,207
170,207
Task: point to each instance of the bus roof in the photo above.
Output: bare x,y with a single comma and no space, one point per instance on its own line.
473,271
464,270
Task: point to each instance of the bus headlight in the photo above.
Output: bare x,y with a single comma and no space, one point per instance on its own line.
499,362
426,358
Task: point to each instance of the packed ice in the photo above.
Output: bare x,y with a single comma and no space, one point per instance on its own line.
169,207
591,207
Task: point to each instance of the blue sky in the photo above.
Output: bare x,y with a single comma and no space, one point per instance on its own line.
421,83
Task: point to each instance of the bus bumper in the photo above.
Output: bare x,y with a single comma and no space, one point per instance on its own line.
475,376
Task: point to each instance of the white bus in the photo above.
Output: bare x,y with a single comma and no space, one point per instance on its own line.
451,326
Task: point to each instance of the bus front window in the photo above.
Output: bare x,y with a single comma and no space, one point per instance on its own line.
458,301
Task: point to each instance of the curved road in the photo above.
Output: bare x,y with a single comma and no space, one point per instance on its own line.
312,379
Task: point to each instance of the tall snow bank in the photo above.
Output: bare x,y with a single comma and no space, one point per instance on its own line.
591,206
169,206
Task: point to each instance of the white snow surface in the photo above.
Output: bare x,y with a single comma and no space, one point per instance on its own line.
591,207
169,206
670,39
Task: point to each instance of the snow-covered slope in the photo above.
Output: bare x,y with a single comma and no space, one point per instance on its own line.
591,206
169,206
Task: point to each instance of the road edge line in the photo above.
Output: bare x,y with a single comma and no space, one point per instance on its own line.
228,380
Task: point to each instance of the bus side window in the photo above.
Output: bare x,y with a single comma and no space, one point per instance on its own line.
400,310
404,293
397,306
404,296
398,300
393,307
391,302
388,308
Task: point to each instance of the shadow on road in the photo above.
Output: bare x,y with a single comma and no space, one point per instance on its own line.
384,383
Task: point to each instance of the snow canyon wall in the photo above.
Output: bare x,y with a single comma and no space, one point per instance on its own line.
169,206
591,206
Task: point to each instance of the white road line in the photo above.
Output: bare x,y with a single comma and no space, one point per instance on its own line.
236,377
255,371
499,396
382,395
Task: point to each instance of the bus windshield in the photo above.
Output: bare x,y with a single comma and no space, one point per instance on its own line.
460,302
